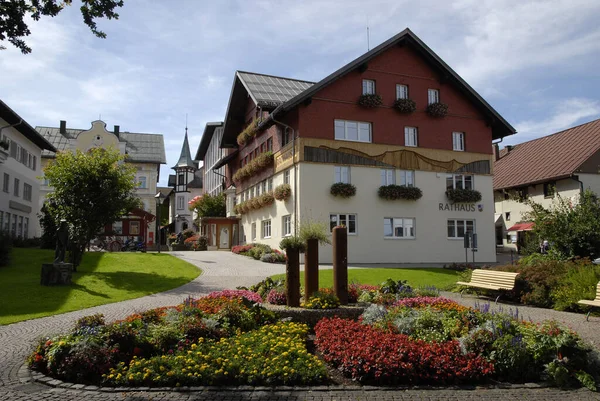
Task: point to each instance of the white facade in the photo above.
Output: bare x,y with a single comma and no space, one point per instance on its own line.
19,187
428,216
213,179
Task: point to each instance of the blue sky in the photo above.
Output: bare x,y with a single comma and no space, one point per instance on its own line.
535,62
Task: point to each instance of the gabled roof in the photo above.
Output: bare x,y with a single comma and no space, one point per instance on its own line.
209,130
500,127
185,157
140,147
11,117
549,158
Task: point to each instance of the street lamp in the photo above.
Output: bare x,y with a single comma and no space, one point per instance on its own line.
159,197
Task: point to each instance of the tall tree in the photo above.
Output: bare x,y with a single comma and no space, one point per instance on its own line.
209,205
13,26
91,190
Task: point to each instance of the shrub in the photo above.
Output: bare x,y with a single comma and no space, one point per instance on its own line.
272,258
399,288
292,242
282,192
249,295
460,195
202,243
437,110
19,242
90,321
343,190
580,282
370,100
258,250
259,163
322,299
241,249
5,248
310,230
265,286
192,239
405,106
277,297
189,233
249,132
394,192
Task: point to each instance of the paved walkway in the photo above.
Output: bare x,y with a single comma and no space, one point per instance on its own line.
225,270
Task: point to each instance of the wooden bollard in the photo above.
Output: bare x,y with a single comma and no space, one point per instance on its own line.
311,268
340,264
292,277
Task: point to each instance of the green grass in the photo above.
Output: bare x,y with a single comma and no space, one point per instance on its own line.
101,278
441,278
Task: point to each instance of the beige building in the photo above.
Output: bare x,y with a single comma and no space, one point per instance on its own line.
562,164
144,151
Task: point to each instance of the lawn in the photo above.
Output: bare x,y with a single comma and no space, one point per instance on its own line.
102,278
441,278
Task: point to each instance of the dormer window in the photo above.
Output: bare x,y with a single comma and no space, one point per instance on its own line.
368,87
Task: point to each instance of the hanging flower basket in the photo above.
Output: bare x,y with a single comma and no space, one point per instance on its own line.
405,106
370,101
261,162
463,195
394,192
266,199
282,192
343,190
437,110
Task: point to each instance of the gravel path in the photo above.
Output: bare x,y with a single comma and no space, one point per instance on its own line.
223,270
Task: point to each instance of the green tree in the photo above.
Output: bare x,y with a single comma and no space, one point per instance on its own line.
571,227
91,190
13,13
209,205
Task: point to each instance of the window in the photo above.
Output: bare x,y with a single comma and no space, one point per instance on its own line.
507,216
263,147
181,179
410,136
347,220
285,136
270,145
387,176
19,153
341,174
398,227
522,193
270,184
458,228
368,87
286,225
352,131
117,227
549,189
433,96
407,178
459,181
13,231
266,229
258,189
141,182
264,186
27,192
25,228
286,177
253,231
7,222
16,187
458,141
180,202
20,227
134,228
1,220
401,91
6,182
255,153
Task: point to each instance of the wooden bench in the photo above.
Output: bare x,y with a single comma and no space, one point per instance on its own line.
491,280
595,302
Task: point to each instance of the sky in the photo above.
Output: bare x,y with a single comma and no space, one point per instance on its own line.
535,62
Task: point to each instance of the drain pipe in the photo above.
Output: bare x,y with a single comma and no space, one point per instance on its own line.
9,126
295,174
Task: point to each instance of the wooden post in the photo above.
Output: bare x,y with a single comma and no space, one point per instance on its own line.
340,264
292,277
311,268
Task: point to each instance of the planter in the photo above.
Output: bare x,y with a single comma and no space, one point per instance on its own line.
405,106
437,110
370,101
394,192
282,192
248,133
343,190
178,247
463,195
260,163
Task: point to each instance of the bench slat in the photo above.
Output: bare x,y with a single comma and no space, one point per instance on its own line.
491,280
587,302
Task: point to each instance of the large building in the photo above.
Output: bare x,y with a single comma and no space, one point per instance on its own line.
563,164
20,167
396,115
144,151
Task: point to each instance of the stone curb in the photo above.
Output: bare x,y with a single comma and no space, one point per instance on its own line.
27,375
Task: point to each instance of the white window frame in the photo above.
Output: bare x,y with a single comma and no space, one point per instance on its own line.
286,176
405,224
368,87
462,179
342,127
180,203
458,141
270,184
411,136
6,183
253,232
286,225
16,187
266,228
142,182
388,176
457,223
407,178
345,220
27,192
341,174
401,91
433,96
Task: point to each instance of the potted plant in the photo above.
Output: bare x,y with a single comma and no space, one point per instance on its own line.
370,100
460,195
394,192
437,110
343,190
405,106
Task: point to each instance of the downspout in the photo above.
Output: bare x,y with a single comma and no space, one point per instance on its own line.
576,178
9,126
295,173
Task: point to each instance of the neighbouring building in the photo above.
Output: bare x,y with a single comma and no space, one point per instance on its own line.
396,115
144,151
564,164
186,184
20,167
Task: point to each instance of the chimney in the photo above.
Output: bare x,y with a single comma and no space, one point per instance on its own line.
63,127
116,130
508,148
496,149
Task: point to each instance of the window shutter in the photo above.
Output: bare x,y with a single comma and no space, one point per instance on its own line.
13,149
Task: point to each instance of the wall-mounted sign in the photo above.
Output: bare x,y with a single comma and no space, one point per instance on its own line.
460,207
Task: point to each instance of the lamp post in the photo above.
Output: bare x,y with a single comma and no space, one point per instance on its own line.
159,201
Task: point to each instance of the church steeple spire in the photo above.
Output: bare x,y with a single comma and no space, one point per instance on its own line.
185,158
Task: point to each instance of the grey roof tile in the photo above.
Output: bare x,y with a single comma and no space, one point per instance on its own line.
271,90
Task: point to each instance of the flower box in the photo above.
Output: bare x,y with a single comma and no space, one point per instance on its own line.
460,195
370,101
405,106
261,162
248,133
282,192
437,110
394,192
343,190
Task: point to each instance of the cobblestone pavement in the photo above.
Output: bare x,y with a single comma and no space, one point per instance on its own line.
220,270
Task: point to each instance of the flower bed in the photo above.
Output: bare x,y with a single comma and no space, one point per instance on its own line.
343,190
260,252
394,192
460,195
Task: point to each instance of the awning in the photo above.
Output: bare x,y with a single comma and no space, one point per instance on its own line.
522,227
225,160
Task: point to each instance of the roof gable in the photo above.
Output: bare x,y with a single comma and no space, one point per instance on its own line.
209,130
22,126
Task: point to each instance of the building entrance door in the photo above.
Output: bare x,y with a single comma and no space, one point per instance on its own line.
224,238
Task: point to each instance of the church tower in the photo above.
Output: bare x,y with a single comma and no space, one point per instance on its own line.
184,174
